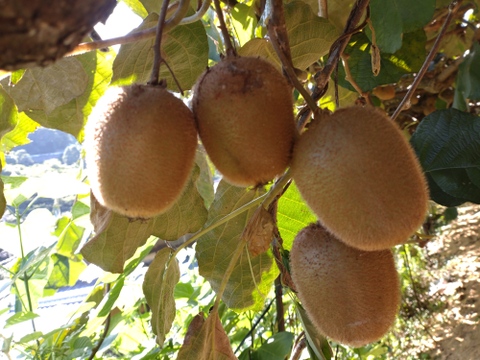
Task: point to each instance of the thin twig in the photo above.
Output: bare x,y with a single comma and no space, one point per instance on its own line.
405,103
177,19
229,49
255,324
157,56
279,304
337,48
291,74
106,328
351,80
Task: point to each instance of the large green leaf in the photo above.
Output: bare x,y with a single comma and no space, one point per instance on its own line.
158,286
116,238
216,249
206,340
47,88
293,215
187,215
185,48
310,36
52,97
467,83
393,67
447,143
8,113
393,18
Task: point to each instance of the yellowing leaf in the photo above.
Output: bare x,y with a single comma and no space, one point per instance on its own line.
206,340
252,277
158,286
116,238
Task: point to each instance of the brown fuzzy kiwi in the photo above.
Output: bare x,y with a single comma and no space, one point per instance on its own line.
244,112
38,32
351,296
358,173
140,143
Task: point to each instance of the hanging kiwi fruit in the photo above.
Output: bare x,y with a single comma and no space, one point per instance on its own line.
38,32
141,143
244,113
358,173
351,296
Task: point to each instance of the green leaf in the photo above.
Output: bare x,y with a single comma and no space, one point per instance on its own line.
359,61
187,215
206,340
447,143
244,22
69,236
215,250
137,7
30,337
310,36
19,135
152,6
467,83
293,214
184,48
204,182
8,113
65,272
338,11
262,48
70,103
116,238
393,18
20,317
158,286
79,209
277,347
47,88
113,295
317,343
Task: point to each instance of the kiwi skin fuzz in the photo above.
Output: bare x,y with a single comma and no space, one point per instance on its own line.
244,113
141,143
357,172
351,296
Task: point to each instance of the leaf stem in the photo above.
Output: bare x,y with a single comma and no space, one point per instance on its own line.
106,327
157,56
405,103
229,49
223,220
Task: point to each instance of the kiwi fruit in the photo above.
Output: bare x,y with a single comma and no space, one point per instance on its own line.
357,172
140,142
243,108
38,32
350,295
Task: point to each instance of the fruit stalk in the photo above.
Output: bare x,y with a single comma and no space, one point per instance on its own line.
229,49
157,56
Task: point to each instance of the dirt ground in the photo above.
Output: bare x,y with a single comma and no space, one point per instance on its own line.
455,334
